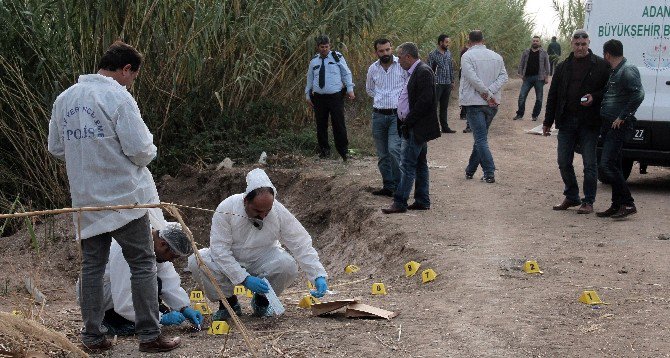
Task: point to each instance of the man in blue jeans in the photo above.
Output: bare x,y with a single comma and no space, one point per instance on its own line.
534,68
623,96
384,83
418,125
480,91
573,103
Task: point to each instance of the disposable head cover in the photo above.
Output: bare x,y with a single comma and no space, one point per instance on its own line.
176,239
258,179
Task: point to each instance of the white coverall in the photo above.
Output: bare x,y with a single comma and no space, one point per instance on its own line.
238,249
89,129
117,291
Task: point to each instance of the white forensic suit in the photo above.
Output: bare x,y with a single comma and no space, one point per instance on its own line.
98,118
238,249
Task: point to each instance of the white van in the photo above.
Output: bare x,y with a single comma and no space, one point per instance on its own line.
643,26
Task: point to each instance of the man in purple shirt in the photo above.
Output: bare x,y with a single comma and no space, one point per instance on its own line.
418,124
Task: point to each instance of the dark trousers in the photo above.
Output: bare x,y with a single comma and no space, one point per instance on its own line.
610,160
333,105
442,93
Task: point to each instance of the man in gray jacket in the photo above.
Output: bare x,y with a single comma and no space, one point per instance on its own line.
534,69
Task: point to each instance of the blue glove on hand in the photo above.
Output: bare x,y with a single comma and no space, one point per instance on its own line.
255,284
172,318
192,315
321,287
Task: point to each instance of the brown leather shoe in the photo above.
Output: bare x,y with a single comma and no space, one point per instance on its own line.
160,344
393,209
104,345
586,208
417,206
609,212
624,211
567,203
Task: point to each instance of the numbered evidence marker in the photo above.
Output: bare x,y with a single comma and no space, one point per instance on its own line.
378,289
310,285
531,266
411,268
351,269
202,307
308,301
218,327
239,290
590,298
197,296
428,275
250,293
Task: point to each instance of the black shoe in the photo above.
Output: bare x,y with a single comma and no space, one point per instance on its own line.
517,118
324,155
383,192
417,206
489,180
448,130
624,211
467,130
609,212
469,175
534,119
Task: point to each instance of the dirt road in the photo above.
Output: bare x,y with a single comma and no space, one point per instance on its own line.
476,237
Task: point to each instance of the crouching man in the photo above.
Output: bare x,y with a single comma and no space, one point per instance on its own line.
248,231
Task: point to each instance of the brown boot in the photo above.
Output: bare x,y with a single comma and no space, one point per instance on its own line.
567,203
586,208
104,345
160,344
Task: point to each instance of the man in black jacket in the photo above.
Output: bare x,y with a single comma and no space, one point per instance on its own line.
573,103
417,119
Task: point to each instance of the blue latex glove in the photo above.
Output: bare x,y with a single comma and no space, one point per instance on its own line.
255,284
321,287
172,318
192,315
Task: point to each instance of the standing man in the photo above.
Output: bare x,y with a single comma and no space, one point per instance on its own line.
441,63
554,52
247,241
460,77
96,127
418,125
623,95
327,77
480,91
573,103
384,83
534,69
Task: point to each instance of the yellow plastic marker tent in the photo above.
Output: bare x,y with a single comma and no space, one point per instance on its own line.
411,268
202,307
239,290
197,296
219,327
378,289
428,275
310,285
308,301
531,266
351,269
590,297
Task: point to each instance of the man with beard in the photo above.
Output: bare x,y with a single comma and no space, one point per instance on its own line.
247,240
441,63
573,103
534,68
384,83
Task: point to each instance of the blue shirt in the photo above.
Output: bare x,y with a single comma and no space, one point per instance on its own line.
442,64
338,75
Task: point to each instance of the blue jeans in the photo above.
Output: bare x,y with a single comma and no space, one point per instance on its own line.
413,165
479,119
387,142
569,135
138,249
528,83
610,160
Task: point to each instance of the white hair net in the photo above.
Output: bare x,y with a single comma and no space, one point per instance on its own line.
176,239
258,179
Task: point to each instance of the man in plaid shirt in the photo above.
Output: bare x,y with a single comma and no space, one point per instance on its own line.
441,63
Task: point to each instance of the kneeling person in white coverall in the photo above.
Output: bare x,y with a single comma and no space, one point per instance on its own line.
248,231
169,244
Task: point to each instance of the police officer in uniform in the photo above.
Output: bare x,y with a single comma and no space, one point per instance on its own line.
328,77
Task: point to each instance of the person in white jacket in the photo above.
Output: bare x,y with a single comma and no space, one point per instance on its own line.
96,127
248,231
170,243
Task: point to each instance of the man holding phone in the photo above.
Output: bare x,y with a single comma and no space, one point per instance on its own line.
573,104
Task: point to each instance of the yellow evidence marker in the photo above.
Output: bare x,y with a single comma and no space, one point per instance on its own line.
239,290
378,289
590,297
197,296
218,327
428,275
531,266
308,301
351,269
250,293
202,307
310,285
411,268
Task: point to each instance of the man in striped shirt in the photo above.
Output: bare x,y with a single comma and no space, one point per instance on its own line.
384,83
441,62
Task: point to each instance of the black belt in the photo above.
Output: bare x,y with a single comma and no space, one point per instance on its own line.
385,111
